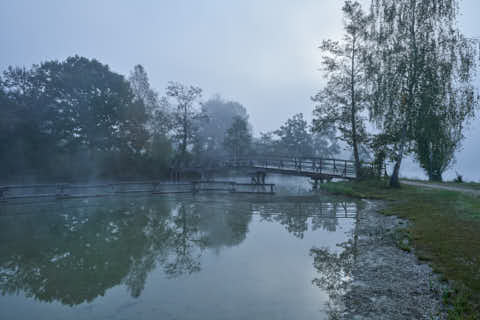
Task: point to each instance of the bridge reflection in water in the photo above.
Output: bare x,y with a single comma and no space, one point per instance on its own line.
74,251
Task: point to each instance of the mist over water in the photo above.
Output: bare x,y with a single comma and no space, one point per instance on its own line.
208,256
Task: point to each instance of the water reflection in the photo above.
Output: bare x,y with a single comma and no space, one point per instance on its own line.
334,271
74,251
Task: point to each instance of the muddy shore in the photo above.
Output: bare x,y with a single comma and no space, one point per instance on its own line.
388,282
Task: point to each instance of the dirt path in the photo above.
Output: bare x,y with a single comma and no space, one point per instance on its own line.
443,187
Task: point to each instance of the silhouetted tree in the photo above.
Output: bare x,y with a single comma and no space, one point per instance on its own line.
343,100
420,65
294,137
238,138
185,110
75,109
217,117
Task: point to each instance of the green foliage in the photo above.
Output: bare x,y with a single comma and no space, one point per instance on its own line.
420,69
217,116
66,117
443,230
238,138
458,178
184,104
344,98
295,137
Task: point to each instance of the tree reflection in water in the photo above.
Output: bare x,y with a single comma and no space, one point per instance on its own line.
335,272
73,251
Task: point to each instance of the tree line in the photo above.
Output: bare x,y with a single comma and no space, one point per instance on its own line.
400,83
77,119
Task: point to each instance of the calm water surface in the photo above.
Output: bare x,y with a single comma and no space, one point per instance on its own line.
208,256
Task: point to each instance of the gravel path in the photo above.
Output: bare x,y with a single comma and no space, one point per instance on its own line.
442,187
389,283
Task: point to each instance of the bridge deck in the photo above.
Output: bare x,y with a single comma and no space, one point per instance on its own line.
317,168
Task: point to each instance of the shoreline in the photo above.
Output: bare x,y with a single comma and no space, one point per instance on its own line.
388,282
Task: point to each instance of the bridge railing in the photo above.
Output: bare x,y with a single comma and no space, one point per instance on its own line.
334,167
306,166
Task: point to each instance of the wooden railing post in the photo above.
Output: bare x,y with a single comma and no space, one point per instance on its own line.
3,191
194,187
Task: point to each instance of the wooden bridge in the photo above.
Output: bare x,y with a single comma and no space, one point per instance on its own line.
318,169
59,191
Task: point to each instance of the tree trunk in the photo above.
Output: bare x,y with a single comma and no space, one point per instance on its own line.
394,180
358,167
412,79
435,176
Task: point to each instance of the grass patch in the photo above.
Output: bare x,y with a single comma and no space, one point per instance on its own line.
444,230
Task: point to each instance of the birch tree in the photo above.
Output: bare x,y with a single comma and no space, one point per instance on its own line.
420,69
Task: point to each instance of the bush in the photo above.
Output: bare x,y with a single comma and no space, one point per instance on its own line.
459,178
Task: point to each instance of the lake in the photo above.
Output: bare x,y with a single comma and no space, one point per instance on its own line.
204,256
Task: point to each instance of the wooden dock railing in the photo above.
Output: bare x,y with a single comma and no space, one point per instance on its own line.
69,191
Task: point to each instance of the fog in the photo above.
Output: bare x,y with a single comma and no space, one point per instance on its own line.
262,54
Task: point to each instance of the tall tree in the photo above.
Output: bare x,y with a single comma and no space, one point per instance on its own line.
217,117
325,143
185,111
295,138
72,107
343,99
238,138
266,144
435,144
419,65
143,92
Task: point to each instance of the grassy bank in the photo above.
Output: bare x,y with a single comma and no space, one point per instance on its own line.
444,231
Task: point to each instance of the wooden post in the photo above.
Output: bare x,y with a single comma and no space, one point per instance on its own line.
194,187
3,191
60,191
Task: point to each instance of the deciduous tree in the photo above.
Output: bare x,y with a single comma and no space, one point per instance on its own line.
185,110
343,100
420,69
238,138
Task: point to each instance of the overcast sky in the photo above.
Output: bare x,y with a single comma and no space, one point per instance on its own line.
261,53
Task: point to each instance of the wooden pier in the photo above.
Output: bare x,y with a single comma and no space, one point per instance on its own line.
70,191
